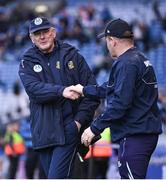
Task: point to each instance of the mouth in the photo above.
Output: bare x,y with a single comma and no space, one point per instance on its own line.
43,43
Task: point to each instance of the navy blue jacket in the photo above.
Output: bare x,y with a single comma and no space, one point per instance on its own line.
131,94
45,94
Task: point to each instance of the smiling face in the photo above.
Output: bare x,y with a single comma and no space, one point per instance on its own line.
44,39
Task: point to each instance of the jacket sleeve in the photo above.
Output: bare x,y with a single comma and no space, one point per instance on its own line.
87,106
95,91
125,79
37,90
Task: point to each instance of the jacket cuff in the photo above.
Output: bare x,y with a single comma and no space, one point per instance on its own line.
60,91
84,91
95,130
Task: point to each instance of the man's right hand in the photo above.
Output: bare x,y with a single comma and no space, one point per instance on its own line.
78,89
70,94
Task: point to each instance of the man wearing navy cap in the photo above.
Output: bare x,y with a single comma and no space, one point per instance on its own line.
131,92
47,70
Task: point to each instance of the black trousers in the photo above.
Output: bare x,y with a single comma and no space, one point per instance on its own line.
13,166
32,163
134,155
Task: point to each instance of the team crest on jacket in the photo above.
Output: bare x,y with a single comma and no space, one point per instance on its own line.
37,68
58,65
70,64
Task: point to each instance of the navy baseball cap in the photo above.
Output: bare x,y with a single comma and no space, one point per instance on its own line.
117,28
39,23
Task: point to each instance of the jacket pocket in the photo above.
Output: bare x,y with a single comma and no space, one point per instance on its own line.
71,128
71,132
76,128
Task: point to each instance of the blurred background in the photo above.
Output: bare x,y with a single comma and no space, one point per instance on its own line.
77,22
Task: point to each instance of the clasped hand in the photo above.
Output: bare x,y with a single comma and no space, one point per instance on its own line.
73,92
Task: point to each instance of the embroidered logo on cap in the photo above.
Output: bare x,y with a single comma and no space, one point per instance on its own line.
37,68
38,21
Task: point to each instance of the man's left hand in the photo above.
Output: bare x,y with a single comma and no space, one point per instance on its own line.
87,137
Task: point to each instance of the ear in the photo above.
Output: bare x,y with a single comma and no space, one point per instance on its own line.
31,37
114,42
54,33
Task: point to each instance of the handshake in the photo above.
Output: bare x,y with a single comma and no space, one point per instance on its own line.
73,92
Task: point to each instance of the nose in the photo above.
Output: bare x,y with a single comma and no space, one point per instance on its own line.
41,35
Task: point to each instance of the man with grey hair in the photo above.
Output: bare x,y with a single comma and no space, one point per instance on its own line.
47,70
